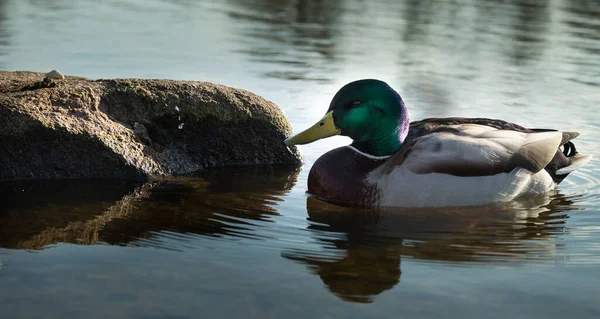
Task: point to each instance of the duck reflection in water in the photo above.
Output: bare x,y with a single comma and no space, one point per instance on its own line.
372,243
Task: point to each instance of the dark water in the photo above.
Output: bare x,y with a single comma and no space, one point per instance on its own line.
248,242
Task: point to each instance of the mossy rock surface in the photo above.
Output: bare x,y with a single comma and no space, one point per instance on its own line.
132,128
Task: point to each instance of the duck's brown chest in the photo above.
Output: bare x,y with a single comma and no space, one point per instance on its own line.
339,177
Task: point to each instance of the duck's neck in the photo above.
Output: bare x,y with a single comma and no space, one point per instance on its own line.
383,146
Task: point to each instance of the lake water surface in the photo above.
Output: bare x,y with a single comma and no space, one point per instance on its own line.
248,242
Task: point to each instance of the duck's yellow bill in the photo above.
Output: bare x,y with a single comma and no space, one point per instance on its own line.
324,128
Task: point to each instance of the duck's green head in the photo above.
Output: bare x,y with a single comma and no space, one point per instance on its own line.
369,111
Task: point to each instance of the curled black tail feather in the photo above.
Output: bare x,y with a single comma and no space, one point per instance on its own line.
569,149
566,160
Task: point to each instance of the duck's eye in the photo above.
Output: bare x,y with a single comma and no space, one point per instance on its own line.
354,103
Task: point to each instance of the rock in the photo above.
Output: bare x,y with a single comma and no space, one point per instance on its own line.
132,128
55,74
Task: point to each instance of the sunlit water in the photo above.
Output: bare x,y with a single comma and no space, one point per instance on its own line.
249,242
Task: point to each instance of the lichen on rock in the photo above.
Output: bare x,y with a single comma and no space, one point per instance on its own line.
132,128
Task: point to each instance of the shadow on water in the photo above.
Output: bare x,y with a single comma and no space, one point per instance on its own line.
421,14
519,29
529,31
452,44
581,22
361,250
4,32
214,203
295,36
582,19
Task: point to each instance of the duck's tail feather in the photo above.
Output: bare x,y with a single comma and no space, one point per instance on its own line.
567,159
577,161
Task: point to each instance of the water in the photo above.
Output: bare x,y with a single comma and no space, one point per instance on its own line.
249,242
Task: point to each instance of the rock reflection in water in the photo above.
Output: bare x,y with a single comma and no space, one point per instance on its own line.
373,242
37,213
216,202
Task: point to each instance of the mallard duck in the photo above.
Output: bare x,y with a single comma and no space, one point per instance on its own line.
432,162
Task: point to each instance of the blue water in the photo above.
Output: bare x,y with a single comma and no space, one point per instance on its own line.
249,242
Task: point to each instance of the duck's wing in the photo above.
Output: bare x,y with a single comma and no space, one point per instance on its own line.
476,150
566,158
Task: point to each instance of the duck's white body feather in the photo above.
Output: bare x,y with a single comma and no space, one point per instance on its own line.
467,164
436,189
